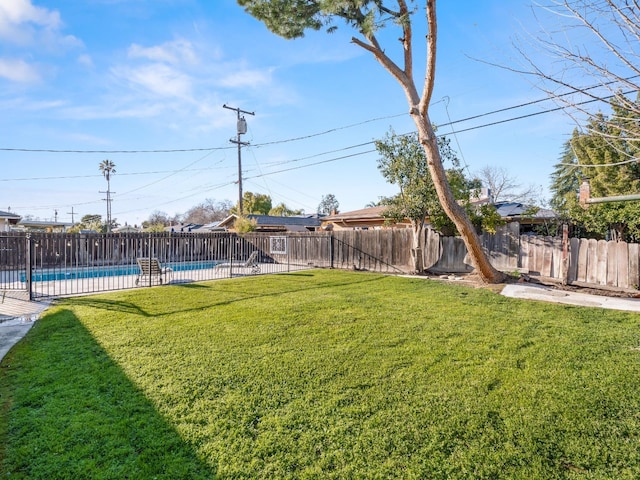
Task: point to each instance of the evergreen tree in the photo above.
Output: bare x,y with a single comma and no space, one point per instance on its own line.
605,154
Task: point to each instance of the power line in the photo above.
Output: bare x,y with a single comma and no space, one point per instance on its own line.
71,177
51,150
453,132
305,137
300,138
277,142
312,164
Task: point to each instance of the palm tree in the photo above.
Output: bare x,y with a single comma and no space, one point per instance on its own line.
107,167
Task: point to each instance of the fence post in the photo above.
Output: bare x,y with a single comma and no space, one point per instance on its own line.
287,238
331,250
149,250
565,254
28,266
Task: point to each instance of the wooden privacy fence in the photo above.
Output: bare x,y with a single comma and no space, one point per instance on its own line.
577,261
61,264
387,250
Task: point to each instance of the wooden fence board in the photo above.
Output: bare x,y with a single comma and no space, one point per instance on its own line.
547,257
611,263
574,248
634,266
523,257
535,260
432,248
582,260
557,258
622,259
592,261
600,260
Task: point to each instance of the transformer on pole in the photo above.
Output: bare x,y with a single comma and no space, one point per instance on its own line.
241,130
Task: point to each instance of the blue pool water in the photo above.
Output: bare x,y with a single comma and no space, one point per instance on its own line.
99,272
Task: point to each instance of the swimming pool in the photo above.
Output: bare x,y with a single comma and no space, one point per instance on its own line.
112,271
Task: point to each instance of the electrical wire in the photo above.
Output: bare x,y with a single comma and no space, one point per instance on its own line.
277,142
210,150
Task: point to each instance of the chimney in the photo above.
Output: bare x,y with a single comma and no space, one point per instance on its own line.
585,193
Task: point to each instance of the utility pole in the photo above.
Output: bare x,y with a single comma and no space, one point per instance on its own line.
72,213
107,167
242,129
108,200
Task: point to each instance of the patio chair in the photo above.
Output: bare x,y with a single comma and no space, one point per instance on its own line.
150,268
251,262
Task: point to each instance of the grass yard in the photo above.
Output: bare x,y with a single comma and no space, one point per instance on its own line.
322,374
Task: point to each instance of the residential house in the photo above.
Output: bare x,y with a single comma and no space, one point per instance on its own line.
42,226
271,224
195,228
364,219
527,216
126,228
7,220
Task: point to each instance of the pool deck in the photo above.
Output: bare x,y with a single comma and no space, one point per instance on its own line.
17,316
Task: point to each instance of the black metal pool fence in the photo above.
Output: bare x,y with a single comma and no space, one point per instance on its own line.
60,264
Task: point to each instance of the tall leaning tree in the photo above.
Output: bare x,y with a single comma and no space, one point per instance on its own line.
290,19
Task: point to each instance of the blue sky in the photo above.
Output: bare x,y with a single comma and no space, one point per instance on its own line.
129,78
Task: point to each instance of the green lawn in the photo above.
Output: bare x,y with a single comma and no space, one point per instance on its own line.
322,374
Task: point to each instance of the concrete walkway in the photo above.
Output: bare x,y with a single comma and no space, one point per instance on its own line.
549,294
17,316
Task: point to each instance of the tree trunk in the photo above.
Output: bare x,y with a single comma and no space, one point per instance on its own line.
416,249
454,211
418,109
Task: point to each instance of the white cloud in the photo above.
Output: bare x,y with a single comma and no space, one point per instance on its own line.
157,79
126,109
85,60
23,23
245,77
18,71
18,17
17,12
177,52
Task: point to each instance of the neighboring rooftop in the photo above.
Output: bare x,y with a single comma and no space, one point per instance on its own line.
271,223
515,211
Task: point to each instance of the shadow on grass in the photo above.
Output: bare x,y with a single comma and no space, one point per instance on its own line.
234,290
237,291
188,284
107,304
68,411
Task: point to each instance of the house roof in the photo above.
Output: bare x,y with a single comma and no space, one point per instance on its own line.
44,223
126,229
514,209
300,220
183,227
10,215
296,223
369,213
208,227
